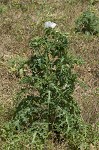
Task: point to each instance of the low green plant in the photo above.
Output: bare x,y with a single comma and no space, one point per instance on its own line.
3,8
88,22
16,66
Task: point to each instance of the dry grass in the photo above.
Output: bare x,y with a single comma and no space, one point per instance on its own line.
19,21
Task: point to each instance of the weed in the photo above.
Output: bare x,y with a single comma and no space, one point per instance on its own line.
3,8
88,22
16,66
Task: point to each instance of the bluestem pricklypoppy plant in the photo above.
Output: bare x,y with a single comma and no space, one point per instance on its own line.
48,105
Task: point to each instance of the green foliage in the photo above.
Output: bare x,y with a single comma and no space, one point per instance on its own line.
20,140
3,8
48,106
31,139
16,66
88,22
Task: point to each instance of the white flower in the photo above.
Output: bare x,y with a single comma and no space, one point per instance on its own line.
50,24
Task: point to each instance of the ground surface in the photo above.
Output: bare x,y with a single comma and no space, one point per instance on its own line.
21,20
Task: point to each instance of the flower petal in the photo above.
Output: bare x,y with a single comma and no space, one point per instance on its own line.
50,24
